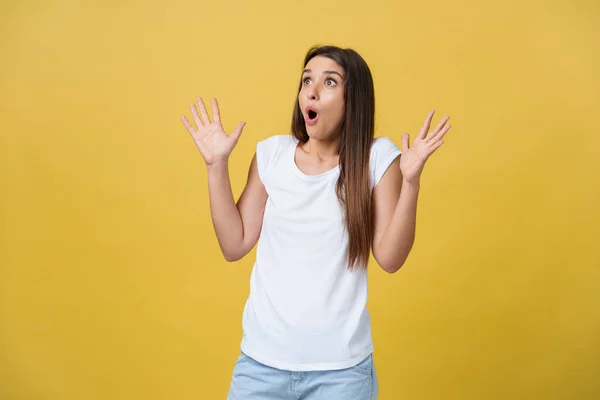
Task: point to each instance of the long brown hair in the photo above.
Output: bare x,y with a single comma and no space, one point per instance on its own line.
353,187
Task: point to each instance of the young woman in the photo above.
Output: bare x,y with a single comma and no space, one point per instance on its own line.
317,202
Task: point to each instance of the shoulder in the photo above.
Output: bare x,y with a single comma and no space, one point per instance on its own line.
383,152
382,145
276,140
269,149
273,144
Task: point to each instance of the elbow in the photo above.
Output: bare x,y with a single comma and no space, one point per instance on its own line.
233,256
391,263
392,268
232,252
391,259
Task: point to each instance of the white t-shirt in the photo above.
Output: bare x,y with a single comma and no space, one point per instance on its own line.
306,311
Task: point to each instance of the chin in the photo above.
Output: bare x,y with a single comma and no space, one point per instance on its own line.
318,134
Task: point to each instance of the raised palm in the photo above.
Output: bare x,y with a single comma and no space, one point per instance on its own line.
211,140
414,157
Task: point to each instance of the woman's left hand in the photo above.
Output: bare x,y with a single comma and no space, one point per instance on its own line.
413,158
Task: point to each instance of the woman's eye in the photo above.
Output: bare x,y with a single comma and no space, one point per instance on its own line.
306,81
330,82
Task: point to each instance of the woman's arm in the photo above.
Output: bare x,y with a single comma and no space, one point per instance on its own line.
237,226
395,197
394,218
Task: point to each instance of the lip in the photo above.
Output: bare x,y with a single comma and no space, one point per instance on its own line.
310,121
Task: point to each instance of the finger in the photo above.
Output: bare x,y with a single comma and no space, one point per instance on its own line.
435,146
195,115
216,112
187,124
438,128
405,142
238,131
426,125
203,111
439,134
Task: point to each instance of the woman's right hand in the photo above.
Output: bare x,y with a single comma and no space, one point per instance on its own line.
211,140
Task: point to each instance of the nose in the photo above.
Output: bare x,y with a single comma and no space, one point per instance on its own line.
311,93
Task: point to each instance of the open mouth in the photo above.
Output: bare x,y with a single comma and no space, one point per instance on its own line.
312,114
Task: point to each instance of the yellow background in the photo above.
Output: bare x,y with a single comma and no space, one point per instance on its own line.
112,285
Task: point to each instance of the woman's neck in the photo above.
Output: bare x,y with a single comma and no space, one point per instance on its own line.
321,150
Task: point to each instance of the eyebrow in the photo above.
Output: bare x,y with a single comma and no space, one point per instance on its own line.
325,72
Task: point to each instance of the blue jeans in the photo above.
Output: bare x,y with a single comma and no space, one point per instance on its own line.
252,380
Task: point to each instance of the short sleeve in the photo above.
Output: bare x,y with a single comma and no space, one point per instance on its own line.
266,153
262,157
383,152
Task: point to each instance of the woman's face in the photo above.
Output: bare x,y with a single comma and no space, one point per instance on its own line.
321,98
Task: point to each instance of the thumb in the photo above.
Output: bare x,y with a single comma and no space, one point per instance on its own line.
238,131
405,140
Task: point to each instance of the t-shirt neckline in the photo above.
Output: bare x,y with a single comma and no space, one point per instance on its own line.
331,171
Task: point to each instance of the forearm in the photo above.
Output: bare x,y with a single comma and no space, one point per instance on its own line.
399,236
225,215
